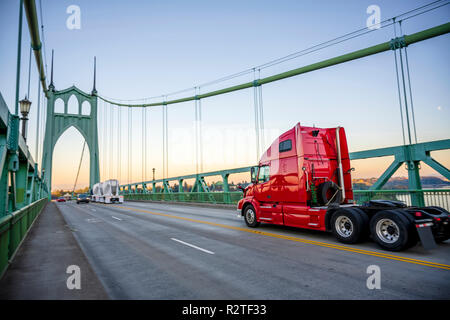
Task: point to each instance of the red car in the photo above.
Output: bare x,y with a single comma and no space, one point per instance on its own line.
61,199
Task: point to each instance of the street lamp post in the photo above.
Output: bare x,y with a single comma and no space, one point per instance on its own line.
153,174
25,106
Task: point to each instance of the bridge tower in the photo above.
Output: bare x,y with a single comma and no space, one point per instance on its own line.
58,122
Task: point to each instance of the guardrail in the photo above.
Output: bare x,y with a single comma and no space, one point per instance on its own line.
14,227
432,197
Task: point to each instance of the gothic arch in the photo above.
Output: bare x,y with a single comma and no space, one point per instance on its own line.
58,123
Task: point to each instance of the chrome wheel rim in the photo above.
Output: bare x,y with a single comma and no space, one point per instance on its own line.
344,226
250,216
387,230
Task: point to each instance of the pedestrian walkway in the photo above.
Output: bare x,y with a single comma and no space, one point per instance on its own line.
38,271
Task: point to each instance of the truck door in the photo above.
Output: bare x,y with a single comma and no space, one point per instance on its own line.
270,211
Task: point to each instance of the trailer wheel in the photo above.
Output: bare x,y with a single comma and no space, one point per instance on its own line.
250,216
348,226
391,230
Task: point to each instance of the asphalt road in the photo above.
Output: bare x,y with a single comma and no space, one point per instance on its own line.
164,251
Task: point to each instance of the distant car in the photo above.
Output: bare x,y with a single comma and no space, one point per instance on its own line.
61,199
83,198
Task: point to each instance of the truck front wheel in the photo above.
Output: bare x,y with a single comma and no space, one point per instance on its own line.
348,226
250,216
390,230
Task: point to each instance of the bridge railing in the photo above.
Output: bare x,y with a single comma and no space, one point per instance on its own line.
21,182
14,227
432,197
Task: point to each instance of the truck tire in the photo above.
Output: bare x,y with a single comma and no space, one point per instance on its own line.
250,216
413,236
391,230
348,226
328,193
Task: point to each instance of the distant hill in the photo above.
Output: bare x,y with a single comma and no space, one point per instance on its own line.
428,182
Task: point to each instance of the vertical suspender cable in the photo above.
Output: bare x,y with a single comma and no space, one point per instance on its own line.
255,101
129,143
111,141
398,88
406,101
410,96
167,143
79,167
261,113
196,134
38,116
409,85
164,140
119,143
143,144
200,136
29,74
105,148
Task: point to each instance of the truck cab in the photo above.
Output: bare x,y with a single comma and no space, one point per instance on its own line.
304,180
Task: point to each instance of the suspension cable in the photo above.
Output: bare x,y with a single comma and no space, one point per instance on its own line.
410,89
130,115
119,144
105,149
261,113
351,35
111,141
200,136
79,167
29,74
143,145
256,110
38,116
399,90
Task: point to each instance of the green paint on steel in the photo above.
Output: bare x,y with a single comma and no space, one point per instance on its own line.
20,180
58,123
411,155
14,227
36,45
382,47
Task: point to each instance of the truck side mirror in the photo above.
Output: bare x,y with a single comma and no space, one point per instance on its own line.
253,171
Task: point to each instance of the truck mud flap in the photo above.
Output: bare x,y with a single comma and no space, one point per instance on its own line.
426,235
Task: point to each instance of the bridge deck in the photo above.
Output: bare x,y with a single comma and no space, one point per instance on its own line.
39,269
141,250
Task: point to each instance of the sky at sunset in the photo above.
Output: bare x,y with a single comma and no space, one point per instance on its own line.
150,48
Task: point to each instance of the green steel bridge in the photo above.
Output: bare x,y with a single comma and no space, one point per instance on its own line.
25,183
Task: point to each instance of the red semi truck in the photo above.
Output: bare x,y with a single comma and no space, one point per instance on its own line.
304,180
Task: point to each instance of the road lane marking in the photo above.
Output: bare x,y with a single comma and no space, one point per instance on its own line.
116,218
301,240
192,246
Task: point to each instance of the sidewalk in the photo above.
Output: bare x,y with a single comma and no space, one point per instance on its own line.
38,270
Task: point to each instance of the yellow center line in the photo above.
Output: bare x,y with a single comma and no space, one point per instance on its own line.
301,240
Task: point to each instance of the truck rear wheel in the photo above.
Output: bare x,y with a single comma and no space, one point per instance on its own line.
250,217
391,230
348,225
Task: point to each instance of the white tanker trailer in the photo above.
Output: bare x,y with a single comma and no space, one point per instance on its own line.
106,192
